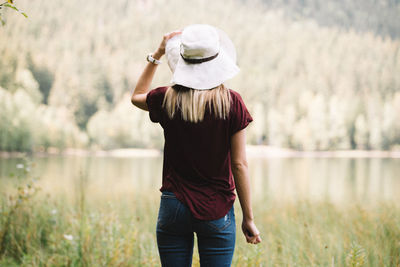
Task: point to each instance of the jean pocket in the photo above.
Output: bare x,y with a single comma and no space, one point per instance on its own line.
169,208
222,223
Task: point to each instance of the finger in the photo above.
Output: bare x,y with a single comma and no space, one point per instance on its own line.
252,230
253,239
172,34
257,240
249,239
176,32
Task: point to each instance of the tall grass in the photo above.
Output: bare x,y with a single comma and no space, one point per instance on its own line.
96,228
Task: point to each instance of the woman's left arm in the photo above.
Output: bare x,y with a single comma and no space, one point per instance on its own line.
143,85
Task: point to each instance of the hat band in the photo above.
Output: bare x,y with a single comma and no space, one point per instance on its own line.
198,60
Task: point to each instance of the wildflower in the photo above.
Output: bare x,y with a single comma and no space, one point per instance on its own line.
20,166
54,211
69,237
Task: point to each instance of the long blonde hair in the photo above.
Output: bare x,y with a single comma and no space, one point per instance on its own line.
192,103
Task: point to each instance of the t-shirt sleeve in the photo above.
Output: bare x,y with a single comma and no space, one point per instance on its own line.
154,102
240,116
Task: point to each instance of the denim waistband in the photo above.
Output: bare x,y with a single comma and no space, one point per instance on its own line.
167,193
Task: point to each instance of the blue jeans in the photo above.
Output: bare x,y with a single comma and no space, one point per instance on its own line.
175,228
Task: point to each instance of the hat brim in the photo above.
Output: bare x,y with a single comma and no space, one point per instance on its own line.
206,75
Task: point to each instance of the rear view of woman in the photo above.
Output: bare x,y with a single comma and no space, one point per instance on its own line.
204,153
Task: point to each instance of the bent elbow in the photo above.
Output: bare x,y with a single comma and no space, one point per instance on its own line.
135,101
238,166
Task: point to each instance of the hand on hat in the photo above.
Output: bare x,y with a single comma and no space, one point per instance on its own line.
161,49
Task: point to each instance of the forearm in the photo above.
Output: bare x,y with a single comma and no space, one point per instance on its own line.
145,79
139,94
242,181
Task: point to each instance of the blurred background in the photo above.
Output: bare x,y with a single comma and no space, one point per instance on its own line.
321,79
315,75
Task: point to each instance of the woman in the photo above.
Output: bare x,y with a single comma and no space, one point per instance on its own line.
204,153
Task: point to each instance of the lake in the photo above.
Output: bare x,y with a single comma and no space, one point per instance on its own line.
337,180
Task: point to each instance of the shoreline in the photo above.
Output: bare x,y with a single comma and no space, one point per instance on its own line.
278,152
253,151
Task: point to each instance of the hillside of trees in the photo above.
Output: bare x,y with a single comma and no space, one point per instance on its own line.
66,72
382,17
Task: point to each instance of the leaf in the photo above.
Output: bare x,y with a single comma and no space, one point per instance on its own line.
11,6
356,256
15,8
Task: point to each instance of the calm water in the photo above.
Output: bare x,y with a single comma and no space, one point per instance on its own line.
337,180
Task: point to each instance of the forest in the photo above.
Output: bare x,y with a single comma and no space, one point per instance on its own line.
315,75
378,16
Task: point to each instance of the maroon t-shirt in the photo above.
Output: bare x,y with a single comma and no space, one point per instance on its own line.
197,160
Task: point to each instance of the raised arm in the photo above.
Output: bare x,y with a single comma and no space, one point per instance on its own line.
143,85
242,181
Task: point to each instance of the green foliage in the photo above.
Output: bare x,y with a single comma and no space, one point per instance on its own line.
124,126
118,230
9,4
8,68
356,256
44,77
105,89
15,124
308,87
26,125
15,208
87,107
378,16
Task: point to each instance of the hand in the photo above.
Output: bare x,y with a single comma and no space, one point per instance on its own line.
251,232
161,49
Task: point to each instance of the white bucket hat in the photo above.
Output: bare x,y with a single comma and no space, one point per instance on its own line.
202,57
